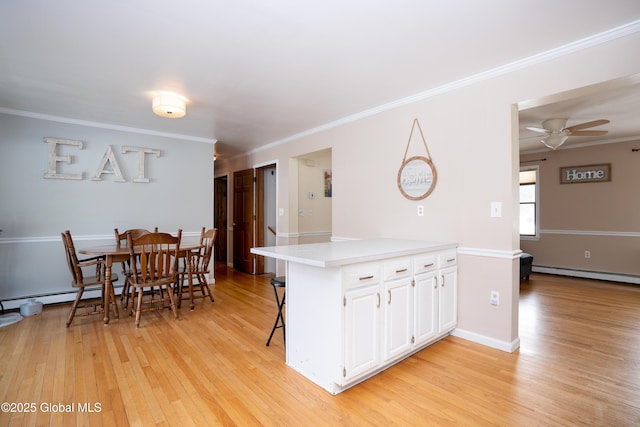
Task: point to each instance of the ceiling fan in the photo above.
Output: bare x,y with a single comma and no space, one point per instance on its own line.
555,133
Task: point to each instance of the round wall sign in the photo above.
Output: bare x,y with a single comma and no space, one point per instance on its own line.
417,178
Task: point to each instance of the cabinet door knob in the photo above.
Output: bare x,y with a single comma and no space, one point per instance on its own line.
389,300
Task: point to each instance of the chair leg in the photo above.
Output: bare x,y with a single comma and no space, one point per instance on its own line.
206,289
113,302
174,308
178,288
279,323
131,300
72,312
284,330
190,288
125,294
139,306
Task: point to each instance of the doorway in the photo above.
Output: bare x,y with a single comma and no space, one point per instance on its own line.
312,193
266,216
254,217
220,217
243,221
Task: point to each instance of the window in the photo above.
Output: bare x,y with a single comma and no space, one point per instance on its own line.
529,202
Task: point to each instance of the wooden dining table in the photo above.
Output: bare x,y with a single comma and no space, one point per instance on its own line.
119,253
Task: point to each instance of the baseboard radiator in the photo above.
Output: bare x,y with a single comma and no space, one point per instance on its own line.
585,274
52,298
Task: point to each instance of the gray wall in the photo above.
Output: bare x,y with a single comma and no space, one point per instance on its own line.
34,210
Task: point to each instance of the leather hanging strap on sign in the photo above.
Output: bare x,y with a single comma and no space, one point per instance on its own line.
417,175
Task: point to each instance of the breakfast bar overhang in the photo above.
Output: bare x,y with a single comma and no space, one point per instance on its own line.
356,307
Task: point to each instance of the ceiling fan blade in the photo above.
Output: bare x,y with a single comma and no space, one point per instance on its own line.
594,123
539,130
588,133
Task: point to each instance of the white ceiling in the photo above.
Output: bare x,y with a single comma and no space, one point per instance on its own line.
257,72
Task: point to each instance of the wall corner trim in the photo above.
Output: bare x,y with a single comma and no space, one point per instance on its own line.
507,346
489,253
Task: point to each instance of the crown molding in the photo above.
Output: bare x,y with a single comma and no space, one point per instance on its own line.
585,43
108,126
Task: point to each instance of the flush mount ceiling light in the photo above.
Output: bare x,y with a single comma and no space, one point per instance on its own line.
554,140
169,105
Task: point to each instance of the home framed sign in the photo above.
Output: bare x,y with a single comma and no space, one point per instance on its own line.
587,173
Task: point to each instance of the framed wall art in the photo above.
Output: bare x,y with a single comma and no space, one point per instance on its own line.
417,176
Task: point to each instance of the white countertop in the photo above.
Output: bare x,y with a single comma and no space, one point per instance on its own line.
334,254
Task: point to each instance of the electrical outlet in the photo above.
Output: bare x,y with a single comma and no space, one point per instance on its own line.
587,254
495,298
420,210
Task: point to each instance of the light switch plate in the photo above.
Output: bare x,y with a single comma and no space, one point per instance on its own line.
496,209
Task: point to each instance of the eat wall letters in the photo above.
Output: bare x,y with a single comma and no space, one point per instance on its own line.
109,158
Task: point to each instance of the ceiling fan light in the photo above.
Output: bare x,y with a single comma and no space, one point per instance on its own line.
169,105
554,140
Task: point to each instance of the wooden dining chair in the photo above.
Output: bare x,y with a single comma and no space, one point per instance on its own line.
154,264
199,261
81,280
121,238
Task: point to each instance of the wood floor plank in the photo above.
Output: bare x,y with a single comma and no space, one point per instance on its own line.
578,364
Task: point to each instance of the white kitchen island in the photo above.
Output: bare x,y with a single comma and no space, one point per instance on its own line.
354,308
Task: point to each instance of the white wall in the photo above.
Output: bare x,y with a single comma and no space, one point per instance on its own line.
472,133
34,210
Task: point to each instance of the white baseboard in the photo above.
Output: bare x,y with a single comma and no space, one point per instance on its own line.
585,274
509,347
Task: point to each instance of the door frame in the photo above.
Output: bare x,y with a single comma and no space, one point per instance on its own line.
244,220
259,208
220,217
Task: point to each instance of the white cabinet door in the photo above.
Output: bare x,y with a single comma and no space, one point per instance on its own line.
448,310
362,331
426,307
398,317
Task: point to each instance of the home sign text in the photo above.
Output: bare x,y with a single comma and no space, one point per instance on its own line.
588,173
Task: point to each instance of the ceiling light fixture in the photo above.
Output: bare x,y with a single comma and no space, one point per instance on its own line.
554,140
169,105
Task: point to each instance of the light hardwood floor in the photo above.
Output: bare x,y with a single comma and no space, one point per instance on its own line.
579,364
